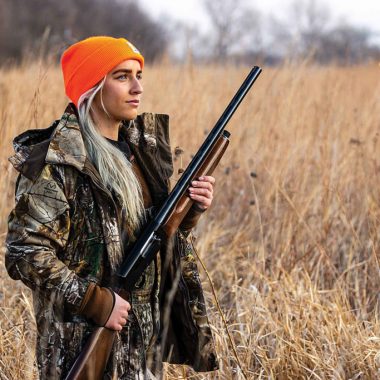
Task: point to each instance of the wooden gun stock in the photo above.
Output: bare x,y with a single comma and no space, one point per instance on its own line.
92,361
207,168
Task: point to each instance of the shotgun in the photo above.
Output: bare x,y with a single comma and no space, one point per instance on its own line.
92,361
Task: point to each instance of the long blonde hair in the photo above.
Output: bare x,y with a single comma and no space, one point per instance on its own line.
114,169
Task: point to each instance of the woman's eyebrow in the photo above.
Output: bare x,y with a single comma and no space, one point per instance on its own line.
127,71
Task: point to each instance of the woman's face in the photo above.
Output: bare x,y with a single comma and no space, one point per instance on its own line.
122,90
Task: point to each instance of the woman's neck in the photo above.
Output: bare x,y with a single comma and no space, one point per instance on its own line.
107,127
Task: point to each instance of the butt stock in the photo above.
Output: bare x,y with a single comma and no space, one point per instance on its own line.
92,361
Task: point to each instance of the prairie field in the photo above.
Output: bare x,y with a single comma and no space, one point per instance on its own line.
291,243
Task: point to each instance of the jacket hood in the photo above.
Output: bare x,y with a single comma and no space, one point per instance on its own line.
62,143
31,148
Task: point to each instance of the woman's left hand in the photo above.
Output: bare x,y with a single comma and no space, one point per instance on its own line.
201,191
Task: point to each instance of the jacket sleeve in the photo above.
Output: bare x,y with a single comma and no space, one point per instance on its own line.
38,230
191,219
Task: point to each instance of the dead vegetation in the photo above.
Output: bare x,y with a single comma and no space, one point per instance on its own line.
292,240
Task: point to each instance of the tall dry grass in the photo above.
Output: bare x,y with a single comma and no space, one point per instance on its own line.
292,240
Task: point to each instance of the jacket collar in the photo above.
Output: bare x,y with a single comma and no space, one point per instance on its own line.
62,143
67,146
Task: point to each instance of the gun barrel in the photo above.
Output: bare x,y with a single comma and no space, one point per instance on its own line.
133,266
207,145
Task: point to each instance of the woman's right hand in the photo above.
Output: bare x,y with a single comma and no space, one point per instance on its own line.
119,315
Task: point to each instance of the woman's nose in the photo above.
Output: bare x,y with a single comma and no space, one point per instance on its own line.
137,87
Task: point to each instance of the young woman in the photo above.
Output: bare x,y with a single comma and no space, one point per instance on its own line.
86,185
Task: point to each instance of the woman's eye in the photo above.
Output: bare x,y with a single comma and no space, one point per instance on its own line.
126,77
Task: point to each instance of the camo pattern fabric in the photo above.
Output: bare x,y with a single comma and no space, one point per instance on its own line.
128,357
64,232
190,275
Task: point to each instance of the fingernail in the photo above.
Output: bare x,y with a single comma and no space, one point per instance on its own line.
194,183
201,178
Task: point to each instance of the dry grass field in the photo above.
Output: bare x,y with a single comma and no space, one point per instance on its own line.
292,241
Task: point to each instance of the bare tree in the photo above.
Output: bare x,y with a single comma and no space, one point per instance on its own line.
346,44
25,24
300,34
308,32
234,24
310,18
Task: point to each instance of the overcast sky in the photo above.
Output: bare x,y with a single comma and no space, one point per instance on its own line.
361,13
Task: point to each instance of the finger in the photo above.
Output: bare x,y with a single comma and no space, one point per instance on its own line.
125,306
123,321
204,185
201,191
198,191
207,178
203,182
203,201
203,194
116,327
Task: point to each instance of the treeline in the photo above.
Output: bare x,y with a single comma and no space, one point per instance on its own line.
237,31
35,27
301,30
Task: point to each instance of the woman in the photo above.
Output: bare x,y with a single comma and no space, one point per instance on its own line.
85,188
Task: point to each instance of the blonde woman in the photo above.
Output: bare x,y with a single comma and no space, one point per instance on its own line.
86,185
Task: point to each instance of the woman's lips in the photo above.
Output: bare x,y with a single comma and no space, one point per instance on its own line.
134,103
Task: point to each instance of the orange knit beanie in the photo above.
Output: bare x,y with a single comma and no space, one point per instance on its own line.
88,61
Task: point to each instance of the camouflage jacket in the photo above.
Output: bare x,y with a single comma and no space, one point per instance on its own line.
64,231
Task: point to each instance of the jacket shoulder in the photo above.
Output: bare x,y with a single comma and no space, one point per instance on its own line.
61,143
31,148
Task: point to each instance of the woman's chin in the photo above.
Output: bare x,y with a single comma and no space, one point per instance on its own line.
129,115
